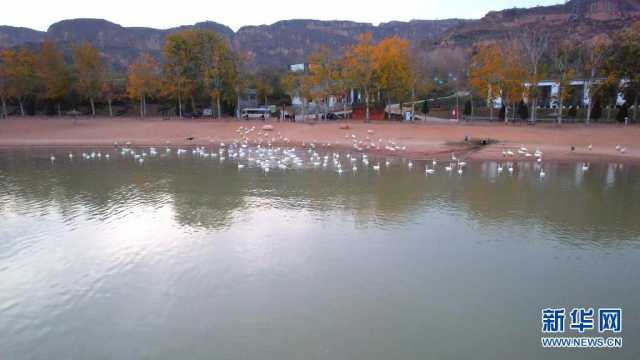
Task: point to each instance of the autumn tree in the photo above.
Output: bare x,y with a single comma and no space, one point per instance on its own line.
421,83
595,54
392,67
5,79
532,43
179,67
54,74
513,78
341,83
89,71
214,63
297,84
264,87
113,86
624,63
359,64
564,69
21,75
320,77
143,80
237,77
487,73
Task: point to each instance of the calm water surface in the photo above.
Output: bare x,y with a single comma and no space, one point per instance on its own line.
192,258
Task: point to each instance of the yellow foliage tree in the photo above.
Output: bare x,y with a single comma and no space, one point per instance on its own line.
392,67
89,72
513,79
143,80
54,73
5,91
486,73
360,66
20,73
320,77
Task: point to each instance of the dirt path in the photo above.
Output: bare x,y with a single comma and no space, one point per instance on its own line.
422,141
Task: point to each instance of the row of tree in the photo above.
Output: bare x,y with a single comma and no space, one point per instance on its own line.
608,66
199,66
24,74
196,63
385,67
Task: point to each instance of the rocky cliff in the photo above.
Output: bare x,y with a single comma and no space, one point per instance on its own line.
286,42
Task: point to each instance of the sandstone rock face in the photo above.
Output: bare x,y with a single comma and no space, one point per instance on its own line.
289,42
15,36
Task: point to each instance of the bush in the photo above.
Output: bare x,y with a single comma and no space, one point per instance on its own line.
425,107
467,108
523,110
596,111
623,112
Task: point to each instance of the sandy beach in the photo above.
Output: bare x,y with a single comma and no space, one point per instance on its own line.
422,140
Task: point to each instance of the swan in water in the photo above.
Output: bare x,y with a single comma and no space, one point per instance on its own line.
376,167
70,156
410,164
585,167
500,169
107,156
542,173
429,171
240,166
460,171
510,169
448,168
52,158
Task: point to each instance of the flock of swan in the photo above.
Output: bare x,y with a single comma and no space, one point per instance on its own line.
261,152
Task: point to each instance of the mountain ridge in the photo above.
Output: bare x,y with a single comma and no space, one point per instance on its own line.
290,41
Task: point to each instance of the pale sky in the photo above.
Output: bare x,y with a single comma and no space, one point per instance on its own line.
39,14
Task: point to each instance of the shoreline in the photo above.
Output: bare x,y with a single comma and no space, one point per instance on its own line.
423,141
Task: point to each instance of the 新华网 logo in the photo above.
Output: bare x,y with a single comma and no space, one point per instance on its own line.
582,321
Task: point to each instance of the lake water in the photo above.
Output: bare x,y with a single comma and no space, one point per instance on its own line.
187,257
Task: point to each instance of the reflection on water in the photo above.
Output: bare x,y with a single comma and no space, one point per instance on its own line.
194,258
